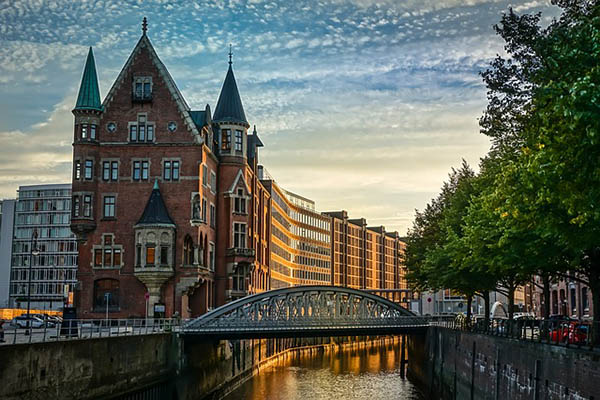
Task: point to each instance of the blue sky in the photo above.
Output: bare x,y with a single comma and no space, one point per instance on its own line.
362,105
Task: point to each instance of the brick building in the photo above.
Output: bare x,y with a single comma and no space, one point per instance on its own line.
173,213
167,208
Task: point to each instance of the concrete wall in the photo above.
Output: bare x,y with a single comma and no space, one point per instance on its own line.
7,217
460,365
85,369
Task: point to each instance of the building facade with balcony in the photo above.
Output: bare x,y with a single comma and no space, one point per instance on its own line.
43,245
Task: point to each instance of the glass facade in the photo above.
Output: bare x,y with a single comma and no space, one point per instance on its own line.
44,245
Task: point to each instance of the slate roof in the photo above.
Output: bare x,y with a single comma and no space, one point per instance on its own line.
229,106
199,118
89,93
155,212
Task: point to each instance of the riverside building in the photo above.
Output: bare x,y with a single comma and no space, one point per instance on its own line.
173,212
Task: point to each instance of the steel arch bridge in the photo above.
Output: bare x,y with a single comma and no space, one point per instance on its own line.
306,311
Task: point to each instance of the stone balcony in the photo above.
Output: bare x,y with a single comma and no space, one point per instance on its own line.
240,252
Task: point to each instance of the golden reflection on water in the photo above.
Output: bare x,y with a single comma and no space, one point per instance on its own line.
370,371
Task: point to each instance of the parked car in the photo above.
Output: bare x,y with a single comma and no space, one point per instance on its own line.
571,332
25,321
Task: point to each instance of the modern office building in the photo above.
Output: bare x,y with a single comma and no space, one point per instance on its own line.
7,219
43,246
300,239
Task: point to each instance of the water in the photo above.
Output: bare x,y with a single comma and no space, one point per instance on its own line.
371,372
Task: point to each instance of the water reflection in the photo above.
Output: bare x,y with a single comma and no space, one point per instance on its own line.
369,372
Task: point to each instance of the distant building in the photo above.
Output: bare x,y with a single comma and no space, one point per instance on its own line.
300,239
42,236
568,297
7,220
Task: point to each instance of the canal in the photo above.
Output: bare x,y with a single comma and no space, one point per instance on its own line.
369,371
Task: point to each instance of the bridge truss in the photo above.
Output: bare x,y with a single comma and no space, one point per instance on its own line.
306,311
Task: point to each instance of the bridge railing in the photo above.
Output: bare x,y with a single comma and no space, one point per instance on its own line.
566,332
72,329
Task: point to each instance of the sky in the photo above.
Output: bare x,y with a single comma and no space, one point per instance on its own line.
363,105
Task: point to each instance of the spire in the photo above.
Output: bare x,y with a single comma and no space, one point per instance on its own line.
144,26
229,106
155,212
89,94
230,54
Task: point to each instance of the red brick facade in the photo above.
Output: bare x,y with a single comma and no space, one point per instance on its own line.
145,134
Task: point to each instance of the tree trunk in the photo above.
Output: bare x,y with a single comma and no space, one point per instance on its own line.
511,301
546,282
469,304
486,308
594,279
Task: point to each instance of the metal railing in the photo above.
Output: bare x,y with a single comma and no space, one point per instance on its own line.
72,329
567,333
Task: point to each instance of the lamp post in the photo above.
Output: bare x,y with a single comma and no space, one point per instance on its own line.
33,251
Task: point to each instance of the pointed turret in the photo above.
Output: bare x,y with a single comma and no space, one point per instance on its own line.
155,212
229,106
89,93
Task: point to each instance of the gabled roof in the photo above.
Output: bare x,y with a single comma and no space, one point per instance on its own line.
155,212
184,109
89,93
229,106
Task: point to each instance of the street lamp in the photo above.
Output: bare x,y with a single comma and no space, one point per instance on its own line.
33,251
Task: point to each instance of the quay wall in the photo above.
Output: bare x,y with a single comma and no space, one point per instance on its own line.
148,367
458,365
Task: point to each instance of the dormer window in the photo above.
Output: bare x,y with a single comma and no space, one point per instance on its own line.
142,88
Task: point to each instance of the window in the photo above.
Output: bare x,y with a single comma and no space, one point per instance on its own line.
106,294
150,254
107,254
133,133
140,170
239,235
142,88
76,206
188,251
109,206
573,300
77,170
240,202
226,139
114,170
141,130
89,167
204,175
584,299
213,216
164,255
238,141
171,170
211,255
239,280
93,132
213,182
138,255
87,205
204,210
84,131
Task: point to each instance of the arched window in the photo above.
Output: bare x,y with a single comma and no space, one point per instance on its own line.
106,290
188,250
